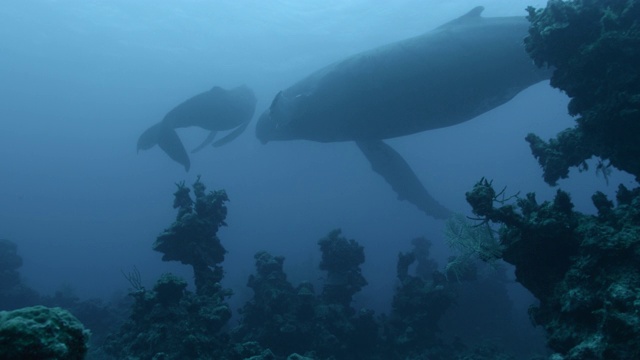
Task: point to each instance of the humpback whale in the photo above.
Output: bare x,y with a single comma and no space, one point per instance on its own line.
214,110
446,76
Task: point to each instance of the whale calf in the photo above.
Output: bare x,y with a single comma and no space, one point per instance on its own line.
214,110
446,76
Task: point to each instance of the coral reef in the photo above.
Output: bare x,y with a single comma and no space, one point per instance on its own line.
582,268
283,321
594,47
41,333
97,316
420,301
286,319
192,239
348,334
484,300
295,320
341,259
170,322
278,316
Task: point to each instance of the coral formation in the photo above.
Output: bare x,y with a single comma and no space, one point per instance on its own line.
594,47
295,320
192,239
278,316
348,334
287,319
283,321
341,259
170,322
420,301
582,268
40,332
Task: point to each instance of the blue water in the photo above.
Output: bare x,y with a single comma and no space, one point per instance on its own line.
80,80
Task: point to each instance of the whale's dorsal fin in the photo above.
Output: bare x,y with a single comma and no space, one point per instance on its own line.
472,15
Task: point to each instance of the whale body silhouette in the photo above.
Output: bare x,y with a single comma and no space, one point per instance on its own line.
214,110
446,76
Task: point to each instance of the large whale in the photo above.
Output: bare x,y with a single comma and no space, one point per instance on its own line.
214,110
441,78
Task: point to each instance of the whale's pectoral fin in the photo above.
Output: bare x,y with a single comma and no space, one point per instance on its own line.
232,135
170,143
395,170
207,141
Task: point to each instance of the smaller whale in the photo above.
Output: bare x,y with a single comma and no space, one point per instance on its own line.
214,110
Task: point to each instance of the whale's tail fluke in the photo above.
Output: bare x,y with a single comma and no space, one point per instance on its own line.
169,142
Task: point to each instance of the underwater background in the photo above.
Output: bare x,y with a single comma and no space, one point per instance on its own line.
80,80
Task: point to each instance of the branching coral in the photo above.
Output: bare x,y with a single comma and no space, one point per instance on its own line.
192,239
594,47
341,258
420,301
582,268
170,322
279,316
285,318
